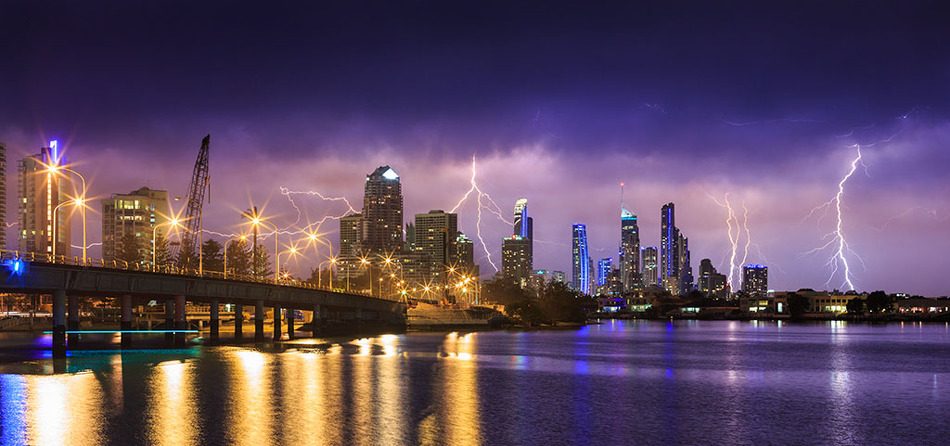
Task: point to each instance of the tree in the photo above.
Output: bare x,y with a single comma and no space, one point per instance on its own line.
878,302
856,306
239,258
504,292
129,249
211,257
560,304
262,263
187,257
797,305
161,251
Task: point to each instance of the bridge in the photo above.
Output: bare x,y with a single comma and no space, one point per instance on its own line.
68,280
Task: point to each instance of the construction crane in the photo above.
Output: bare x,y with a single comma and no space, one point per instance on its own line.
190,249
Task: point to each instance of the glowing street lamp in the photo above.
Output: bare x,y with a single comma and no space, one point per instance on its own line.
291,252
364,262
256,222
172,224
54,169
79,202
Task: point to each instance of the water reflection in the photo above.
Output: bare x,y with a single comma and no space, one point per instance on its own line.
250,406
172,412
460,414
59,409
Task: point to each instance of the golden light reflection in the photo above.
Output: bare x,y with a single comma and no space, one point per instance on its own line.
391,414
172,412
300,375
250,411
62,410
362,395
460,415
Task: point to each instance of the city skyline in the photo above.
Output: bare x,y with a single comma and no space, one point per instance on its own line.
565,141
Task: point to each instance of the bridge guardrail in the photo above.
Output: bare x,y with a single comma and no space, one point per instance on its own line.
45,258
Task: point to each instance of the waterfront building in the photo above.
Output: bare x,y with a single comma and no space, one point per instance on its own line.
516,259
755,280
351,233
138,214
711,282
649,267
669,249
604,268
3,196
629,259
40,192
685,267
465,254
382,213
581,261
435,235
558,276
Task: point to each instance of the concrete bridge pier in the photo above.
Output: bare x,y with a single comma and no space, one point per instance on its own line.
59,323
238,321
259,321
180,322
215,321
72,323
290,323
277,327
169,321
315,320
126,322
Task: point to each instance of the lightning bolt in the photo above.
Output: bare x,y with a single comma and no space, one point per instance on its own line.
748,235
733,238
310,193
483,201
836,239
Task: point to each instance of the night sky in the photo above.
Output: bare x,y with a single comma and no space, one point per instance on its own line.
559,103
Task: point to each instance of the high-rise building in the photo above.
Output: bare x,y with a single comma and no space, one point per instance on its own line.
581,280
711,282
649,271
685,267
435,236
516,259
3,196
139,213
604,267
351,234
465,254
558,277
40,192
755,280
382,213
629,251
524,227
669,249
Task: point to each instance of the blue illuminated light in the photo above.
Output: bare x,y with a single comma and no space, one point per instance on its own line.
17,266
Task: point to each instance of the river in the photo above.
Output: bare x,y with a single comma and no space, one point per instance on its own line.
619,382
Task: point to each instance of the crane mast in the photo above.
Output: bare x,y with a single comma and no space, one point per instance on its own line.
189,255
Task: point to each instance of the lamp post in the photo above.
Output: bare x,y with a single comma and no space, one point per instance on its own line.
365,262
173,223
291,251
257,221
75,202
53,169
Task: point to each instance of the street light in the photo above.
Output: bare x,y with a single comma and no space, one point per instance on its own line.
173,223
364,262
81,203
291,252
53,169
257,221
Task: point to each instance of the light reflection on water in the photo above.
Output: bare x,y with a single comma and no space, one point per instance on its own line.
616,383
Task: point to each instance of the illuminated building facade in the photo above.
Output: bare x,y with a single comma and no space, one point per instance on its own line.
649,268
581,261
711,282
755,280
629,251
351,234
435,236
669,249
3,196
139,212
40,192
382,213
604,267
516,260
685,267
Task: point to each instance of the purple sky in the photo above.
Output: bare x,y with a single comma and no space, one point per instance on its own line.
559,104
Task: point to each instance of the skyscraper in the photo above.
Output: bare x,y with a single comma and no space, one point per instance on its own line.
604,267
465,254
669,249
516,259
755,280
685,267
138,213
382,212
629,251
649,269
581,280
3,196
435,236
40,192
711,282
524,227
351,234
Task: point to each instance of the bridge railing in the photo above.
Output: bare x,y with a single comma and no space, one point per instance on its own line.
8,256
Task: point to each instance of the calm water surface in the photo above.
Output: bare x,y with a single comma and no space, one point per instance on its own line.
618,383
